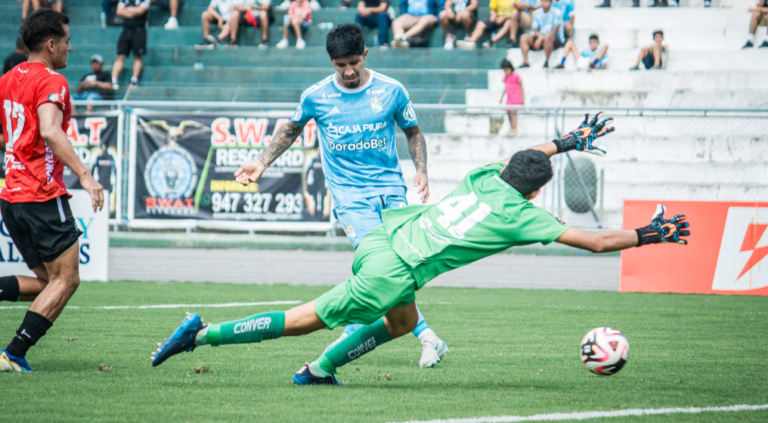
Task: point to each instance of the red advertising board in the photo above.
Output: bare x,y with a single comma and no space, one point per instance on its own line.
727,251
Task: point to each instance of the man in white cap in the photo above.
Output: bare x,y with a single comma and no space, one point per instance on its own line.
96,85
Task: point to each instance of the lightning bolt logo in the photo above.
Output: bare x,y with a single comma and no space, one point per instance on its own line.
755,231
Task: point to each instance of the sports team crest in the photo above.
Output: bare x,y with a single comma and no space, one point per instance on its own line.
171,172
376,105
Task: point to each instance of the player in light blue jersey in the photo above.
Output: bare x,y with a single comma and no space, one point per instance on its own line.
356,111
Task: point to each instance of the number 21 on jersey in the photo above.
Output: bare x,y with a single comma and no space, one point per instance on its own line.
13,110
453,209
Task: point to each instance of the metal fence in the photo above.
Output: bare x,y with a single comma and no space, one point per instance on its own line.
655,154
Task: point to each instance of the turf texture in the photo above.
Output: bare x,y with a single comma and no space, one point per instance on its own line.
513,352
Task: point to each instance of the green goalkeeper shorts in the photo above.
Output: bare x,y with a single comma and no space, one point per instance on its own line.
381,281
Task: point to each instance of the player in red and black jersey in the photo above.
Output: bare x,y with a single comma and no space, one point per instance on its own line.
35,114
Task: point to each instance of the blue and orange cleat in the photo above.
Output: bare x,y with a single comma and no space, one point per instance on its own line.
182,339
305,377
10,363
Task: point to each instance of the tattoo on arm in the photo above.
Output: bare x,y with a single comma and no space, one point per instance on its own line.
283,139
417,146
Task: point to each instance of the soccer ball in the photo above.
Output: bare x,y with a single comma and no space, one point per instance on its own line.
604,351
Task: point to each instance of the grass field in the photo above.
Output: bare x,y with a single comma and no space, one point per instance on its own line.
513,352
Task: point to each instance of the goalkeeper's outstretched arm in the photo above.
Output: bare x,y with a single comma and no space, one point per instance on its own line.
659,231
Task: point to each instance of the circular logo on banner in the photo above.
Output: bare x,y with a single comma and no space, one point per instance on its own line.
171,172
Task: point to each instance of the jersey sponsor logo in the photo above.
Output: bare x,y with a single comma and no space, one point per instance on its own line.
261,323
409,114
365,347
372,144
63,95
334,111
297,114
330,96
376,105
426,224
171,174
355,129
53,98
50,164
375,92
741,264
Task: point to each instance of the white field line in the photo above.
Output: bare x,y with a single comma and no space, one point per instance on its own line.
144,307
584,415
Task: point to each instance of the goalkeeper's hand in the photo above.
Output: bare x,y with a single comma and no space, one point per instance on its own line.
581,139
663,230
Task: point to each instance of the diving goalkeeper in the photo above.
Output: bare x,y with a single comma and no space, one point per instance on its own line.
488,213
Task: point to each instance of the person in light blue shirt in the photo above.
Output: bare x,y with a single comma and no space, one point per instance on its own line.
547,32
416,18
566,7
356,111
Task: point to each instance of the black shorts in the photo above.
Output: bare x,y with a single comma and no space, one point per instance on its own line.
41,231
648,60
491,25
132,40
256,12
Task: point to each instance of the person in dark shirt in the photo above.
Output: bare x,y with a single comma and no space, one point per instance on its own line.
96,85
18,56
133,38
373,13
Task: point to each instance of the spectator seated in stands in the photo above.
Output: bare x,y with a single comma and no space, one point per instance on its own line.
313,4
459,13
416,17
594,58
18,56
569,16
57,5
650,56
525,10
173,7
299,18
96,85
218,11
503,13
547,33
252,13
132,39
759,18
375,14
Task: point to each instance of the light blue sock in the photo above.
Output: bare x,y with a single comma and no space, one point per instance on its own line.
351,328
421,326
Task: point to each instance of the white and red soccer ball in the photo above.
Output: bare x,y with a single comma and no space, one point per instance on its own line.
604,351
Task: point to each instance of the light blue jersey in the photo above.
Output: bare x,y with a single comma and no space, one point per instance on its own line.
356,129
565,6
546,22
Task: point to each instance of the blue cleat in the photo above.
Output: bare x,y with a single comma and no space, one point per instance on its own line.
182,339
10,363
305,377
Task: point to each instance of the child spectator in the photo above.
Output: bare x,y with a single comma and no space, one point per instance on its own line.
547,33
569,17
299,18
759,18
502,14
458,13
132,39
513,88
594,58
374,13
252,13
96,85
18,56
650,56
416,17
219,11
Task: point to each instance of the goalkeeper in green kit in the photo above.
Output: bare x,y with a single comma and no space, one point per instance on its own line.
488,213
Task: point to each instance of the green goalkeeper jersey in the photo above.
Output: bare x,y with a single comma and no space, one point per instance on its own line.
482,217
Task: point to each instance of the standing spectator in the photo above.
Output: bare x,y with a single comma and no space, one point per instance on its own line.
299,18
513,89
416,17
57,5
96,85
257,13
173,7
459,13
219,11
106,7
759,18
374,13
502,14
594,58
650,56
569,17
18,56
133,38
547,33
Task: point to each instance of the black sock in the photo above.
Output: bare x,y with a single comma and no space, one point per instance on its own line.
31,330
9,289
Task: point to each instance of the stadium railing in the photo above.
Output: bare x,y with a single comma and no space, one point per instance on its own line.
661,154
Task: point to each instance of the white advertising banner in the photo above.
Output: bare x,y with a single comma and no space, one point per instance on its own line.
94,242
